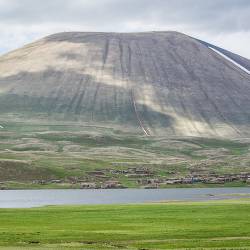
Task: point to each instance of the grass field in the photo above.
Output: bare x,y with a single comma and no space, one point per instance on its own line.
197,225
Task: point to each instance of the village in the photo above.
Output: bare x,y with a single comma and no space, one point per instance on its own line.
141,177
146,178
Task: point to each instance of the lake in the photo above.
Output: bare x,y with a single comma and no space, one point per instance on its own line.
37,198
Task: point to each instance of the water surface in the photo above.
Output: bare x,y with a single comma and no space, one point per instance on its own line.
36,198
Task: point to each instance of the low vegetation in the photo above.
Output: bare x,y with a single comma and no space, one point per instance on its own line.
198,225
70,155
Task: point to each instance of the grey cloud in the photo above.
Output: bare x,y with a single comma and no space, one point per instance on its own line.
213,16
223,22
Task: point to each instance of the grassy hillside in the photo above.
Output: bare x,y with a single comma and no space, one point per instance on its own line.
33,154
201,225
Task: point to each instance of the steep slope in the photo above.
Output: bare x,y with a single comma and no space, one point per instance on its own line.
166,83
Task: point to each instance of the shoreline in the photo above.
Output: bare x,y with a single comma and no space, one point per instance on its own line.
68,186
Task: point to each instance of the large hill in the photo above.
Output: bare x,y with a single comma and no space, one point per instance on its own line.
156,83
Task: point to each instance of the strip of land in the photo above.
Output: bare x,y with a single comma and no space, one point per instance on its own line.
190,225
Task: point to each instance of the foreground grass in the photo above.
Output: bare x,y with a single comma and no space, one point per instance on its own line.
201,225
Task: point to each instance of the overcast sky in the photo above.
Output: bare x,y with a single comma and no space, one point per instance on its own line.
225,23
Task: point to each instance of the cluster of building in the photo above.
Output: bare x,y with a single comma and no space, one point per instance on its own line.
133,172
207,179
144,177
105,185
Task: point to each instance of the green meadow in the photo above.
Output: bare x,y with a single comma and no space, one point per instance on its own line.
183,225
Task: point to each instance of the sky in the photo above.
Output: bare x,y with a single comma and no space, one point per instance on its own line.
225,23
